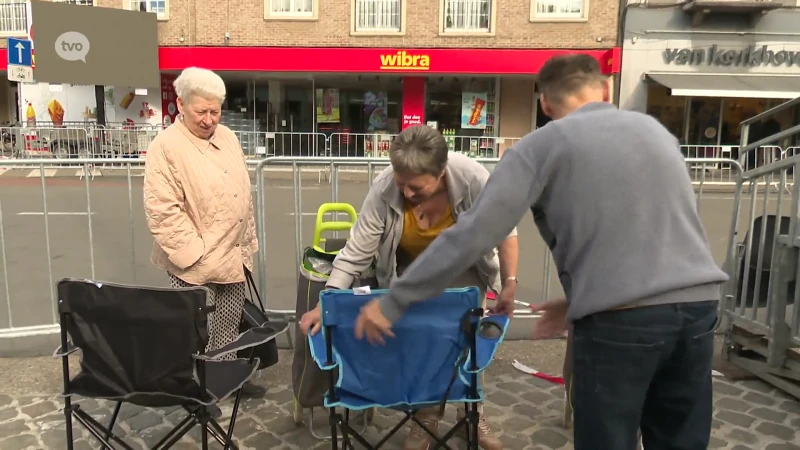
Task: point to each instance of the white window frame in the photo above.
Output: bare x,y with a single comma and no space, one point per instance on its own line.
355,18
445,30
270,5
556,16
76,2
18,7
129,5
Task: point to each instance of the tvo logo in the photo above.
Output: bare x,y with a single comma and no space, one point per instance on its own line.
72,46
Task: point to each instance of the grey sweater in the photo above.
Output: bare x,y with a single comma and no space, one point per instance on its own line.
611,196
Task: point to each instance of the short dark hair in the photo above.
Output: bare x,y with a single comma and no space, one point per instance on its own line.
563,75
419,150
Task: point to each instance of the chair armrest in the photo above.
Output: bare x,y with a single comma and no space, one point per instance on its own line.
491,331
319,351
70,350
250,338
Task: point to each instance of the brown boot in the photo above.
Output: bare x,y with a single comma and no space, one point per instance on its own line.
419,439
487,440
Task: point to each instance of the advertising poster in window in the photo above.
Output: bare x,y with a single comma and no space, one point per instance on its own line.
473,110
169,107
375,110
327,105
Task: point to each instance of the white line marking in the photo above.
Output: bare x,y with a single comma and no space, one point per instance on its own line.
310,188
315,214
39,213
37,173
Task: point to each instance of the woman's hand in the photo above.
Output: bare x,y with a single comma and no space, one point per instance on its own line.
504,305
312,321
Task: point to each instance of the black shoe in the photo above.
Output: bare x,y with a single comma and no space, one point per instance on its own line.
253,390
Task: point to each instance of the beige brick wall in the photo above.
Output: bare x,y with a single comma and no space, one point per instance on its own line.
244,20
204,22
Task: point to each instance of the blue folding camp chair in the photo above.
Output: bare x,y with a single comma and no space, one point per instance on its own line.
440,347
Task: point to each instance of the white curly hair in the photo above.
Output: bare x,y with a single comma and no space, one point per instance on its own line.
201,82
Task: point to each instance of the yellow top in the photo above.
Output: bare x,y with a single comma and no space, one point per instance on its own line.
415,240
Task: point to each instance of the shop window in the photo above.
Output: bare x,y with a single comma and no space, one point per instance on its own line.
291,9
13,18
377,16
160,7
558,9
468,16
464,110
669,110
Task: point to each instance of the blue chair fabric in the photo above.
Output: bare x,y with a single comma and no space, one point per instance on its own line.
440,347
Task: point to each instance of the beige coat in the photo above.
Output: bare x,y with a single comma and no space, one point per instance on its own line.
198,206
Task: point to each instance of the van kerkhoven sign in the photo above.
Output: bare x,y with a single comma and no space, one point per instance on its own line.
752,56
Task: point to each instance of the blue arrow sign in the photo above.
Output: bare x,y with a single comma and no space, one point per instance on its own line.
19,52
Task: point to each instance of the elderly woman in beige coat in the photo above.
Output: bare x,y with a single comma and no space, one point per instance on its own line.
198,204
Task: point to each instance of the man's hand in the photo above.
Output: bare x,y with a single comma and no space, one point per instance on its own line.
312,321
504,304
372,323
553,322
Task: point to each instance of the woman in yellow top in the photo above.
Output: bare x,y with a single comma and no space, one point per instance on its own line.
422,193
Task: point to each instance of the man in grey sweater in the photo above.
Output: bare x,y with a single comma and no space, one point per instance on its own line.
611,196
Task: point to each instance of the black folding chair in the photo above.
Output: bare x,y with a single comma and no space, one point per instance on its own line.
146,346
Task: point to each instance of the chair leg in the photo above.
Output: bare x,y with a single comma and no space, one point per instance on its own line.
68,419
334,434
204,428
114,416
234,413
474,426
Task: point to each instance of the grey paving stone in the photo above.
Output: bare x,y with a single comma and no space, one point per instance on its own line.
38,409
790,406
716,443
769,414
503,399
516,441
20,442
261,440
761,399
739,419
6,400
8,413
725,388
733,404
757,385
549,438
144,420
779,431
782,446
743,436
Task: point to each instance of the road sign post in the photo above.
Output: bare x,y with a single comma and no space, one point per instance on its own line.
20,60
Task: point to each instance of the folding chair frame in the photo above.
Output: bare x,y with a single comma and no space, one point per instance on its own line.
339,421
198,414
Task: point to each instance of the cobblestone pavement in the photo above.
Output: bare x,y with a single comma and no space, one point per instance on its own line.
749,415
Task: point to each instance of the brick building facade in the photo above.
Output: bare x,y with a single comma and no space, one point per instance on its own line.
492,47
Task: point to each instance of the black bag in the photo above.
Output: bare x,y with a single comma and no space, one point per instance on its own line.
254,315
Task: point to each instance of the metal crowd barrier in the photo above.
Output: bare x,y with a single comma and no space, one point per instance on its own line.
724,174
763,261
95,228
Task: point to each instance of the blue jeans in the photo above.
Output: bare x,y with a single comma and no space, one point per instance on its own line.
645,368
